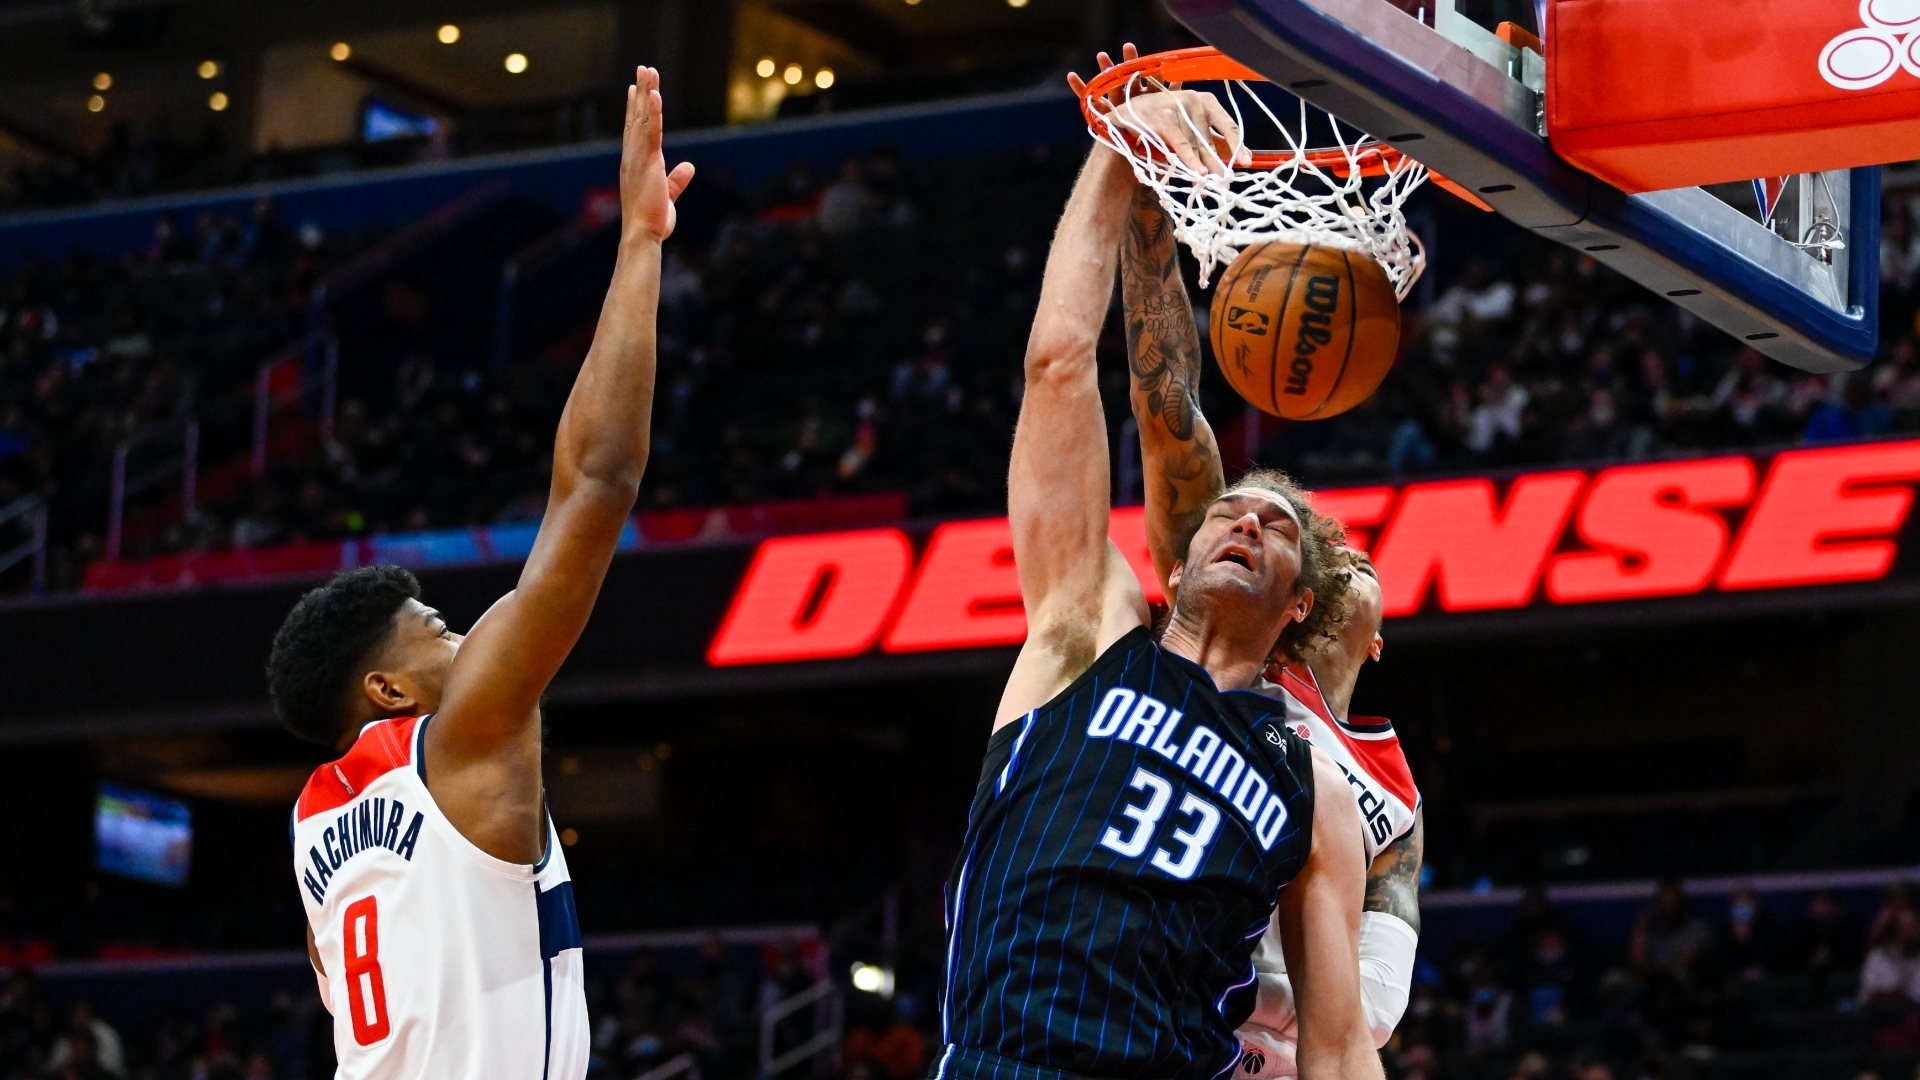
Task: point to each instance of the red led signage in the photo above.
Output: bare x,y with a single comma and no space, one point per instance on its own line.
1820,517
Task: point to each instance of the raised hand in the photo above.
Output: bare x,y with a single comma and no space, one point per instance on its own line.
1187,124
647,189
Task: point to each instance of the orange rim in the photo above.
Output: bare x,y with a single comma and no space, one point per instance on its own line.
1208,64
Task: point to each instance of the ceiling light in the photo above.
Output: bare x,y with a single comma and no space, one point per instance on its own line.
209,68
823,78
569,837
1017,3
764,68
516,63
449,34
873,979
103,81
96,103
792,74
340,51
911,3
217,101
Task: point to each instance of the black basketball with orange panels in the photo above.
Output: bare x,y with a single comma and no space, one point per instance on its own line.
1304,331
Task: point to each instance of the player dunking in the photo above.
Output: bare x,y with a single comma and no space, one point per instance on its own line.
1139,812
440,917
1314,675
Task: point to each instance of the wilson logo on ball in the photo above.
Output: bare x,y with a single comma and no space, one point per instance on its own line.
1322,298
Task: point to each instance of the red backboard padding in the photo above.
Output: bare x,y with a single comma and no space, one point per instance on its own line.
1656,94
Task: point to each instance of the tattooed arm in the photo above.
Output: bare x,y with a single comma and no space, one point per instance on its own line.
1181,461
1393,881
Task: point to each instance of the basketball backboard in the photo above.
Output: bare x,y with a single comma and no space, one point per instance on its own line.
1467,103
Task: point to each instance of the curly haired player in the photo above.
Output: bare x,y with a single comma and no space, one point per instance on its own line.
1139,811
1315,668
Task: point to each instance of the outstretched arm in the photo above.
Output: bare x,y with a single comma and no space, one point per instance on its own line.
483,750
1319,915
1180,458
1080,595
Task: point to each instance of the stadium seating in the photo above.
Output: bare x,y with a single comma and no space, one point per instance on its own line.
1713,978
835,328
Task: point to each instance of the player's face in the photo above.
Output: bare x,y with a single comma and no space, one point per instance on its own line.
1247,550
422,652
1364,585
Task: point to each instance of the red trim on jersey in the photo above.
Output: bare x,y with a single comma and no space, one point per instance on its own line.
1380,756
1307,691
383,747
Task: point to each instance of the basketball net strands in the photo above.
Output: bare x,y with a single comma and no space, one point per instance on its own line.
1297,196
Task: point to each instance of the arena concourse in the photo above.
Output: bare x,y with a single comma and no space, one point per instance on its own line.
318,310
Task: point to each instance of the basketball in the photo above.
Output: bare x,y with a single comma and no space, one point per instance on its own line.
1304,331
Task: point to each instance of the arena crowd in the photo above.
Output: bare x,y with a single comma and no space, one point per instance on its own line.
1783,984
854,332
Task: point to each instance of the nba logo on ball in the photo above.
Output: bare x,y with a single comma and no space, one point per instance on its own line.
1247,322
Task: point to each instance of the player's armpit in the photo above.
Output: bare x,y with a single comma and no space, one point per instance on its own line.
1057,652
1319,915
1180,460
1393,881
1058,495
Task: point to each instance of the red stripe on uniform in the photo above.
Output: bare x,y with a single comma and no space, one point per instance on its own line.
1383,759
381,748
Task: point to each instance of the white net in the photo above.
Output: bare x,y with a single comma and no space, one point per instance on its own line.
1296,201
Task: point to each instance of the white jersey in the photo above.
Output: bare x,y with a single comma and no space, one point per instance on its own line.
441,961
1365,748
1368,753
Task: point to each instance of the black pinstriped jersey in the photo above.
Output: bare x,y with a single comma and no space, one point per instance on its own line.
1125,849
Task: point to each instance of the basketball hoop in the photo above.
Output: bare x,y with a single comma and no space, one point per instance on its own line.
1297,195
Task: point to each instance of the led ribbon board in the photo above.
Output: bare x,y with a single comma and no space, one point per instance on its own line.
1732,524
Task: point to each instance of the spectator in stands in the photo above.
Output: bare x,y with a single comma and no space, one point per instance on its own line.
1858,414
1750,945
1750,400
1668,939
1830,941
1890,982
888,1044
89,1045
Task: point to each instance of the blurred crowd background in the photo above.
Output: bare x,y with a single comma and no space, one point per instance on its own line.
1783,984
853,329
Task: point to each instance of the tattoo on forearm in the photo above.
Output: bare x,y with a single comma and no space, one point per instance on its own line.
1393,881
1163,353
1163,345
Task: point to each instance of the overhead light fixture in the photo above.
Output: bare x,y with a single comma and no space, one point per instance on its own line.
516,63
103,81
823,78
912,3
765,68
96,103
873,979
340,51
449,34
792,74
1017,3
208,69
217,101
